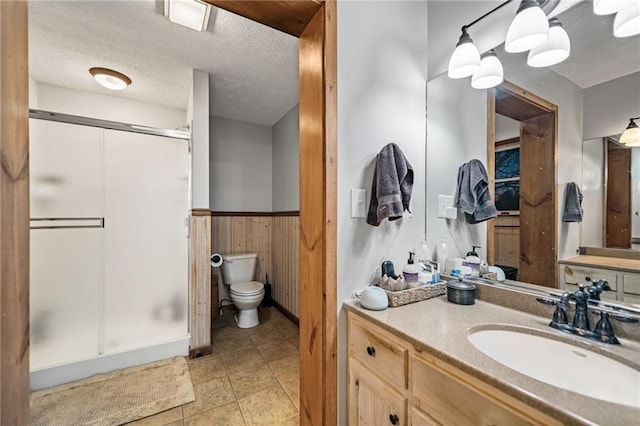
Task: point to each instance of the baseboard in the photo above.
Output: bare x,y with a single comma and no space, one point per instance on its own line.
286,313
65,373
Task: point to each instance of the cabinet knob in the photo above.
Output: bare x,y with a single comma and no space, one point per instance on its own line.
394,419
371,350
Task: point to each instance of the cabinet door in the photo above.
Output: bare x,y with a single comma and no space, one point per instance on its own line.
460,400
419,418
372,402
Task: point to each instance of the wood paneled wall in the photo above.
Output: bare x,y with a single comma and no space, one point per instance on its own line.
284,261
200,282
275,239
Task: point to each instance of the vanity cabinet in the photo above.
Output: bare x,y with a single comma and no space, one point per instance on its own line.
393,383
625,286
572,275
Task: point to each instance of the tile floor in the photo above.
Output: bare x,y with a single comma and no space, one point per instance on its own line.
252,377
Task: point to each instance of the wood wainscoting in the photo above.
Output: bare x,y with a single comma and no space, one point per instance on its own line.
200,281
274,236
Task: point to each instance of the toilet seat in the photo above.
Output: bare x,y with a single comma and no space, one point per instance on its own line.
250,288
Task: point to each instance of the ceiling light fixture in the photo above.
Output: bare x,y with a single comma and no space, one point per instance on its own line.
109,78
529,29
631,136
490,74
553,51
192,14
627,21
607,7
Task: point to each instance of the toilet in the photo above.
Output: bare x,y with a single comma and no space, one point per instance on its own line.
238,271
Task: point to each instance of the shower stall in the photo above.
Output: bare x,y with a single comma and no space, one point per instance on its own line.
109,246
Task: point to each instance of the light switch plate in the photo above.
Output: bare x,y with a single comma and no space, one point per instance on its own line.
358,197
444,202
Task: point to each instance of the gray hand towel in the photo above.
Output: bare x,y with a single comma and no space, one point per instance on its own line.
392,185
472,193
572,203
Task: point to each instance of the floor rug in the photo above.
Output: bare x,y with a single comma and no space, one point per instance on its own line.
115,398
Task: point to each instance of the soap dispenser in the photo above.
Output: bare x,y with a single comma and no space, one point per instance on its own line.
410,271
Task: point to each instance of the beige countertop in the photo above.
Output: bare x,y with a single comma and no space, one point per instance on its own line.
441,328
616,263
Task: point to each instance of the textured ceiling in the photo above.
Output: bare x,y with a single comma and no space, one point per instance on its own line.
253,69
596,55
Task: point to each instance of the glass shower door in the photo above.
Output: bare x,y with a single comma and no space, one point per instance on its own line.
67,242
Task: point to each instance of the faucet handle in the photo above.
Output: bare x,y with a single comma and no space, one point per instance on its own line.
604,330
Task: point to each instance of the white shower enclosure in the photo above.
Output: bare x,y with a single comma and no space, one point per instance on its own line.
109,250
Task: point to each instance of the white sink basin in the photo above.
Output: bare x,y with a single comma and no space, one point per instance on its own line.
560,364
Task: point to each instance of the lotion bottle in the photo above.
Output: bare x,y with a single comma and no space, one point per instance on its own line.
410,271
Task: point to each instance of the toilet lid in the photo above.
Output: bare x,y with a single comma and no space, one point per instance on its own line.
251,287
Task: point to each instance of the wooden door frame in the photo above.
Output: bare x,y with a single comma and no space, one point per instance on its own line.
14,214
314,22
541,103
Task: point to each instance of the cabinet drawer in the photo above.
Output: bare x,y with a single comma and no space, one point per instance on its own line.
457,399
631,283
379,351
578,275
372,402
606,295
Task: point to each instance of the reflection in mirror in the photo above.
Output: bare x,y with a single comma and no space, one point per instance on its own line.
597,90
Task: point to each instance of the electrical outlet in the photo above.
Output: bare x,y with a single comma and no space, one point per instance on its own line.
444,202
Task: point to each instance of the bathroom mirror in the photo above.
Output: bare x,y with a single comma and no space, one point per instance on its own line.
597,63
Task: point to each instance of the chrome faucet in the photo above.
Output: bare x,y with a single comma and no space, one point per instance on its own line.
603,331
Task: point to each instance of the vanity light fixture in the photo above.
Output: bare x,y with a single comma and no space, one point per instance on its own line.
109,78
490,74
631,136
607,7
627,21
192,14
465,59
529,29
553,51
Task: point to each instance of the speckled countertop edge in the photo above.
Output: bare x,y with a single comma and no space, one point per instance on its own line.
440,328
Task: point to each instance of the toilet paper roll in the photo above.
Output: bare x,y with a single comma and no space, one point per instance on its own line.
216,260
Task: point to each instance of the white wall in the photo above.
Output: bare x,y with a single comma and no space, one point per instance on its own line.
382,51
592,193
608,106
506,128
240,166
286,165
198,120
449,145
105,107
33,93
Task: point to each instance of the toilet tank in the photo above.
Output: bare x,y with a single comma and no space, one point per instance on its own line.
238,268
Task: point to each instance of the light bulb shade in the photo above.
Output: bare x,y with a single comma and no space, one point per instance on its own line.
192,14
109,78
627,21
553,51
607,7
490,74
530,28
465,60
631,136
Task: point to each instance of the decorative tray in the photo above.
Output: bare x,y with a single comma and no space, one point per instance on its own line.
416,294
